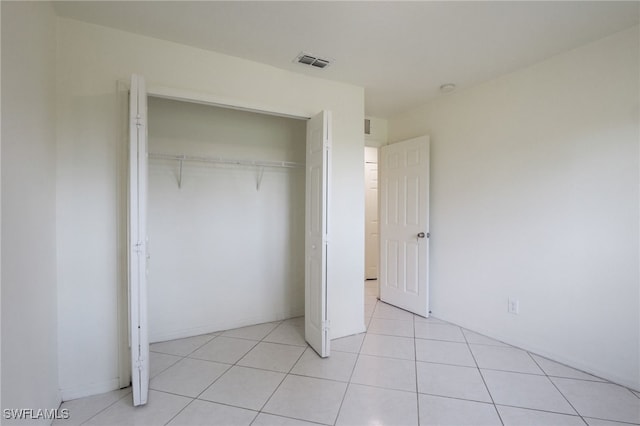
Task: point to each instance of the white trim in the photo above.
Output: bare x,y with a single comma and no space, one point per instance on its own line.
221,101
224,325
534,349
124,357
88,390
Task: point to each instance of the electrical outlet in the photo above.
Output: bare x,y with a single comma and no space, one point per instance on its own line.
514,306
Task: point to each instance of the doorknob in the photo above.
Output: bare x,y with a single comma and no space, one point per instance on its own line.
421,235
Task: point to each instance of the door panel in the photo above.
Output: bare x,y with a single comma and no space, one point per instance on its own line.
316,238
404,225
137,241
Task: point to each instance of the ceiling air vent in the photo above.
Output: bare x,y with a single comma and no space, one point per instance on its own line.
314,61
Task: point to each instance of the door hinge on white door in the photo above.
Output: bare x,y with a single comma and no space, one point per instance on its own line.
138,247
139,364
326,325
139,121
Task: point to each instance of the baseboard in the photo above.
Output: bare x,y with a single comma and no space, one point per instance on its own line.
623,381
88,390
222,325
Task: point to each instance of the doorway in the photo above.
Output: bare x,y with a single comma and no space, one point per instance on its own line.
371,229
371,213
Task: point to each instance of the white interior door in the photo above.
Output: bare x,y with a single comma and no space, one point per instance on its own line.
137,247
404,225
316,324
371,225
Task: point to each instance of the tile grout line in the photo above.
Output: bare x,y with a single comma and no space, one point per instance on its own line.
457,398
288,417
179,411
556,387
482,377
183,358
387,356
476,367
415,366
387,388
235,364
620,422
540,410
283,378
165,369
105,408
230,366
355,364
455,365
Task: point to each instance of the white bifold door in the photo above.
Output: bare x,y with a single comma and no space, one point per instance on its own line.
137,241
404,225
316,324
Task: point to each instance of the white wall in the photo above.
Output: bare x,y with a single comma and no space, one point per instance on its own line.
91,140
535,195
29,333
223,253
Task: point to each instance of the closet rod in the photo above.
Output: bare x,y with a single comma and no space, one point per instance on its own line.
218,160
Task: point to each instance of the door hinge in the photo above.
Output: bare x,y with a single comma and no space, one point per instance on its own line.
138,247
139,364
326,325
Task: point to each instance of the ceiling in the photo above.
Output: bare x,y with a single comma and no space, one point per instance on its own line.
400,52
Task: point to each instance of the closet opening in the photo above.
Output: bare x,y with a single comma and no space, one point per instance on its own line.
226,256
226,218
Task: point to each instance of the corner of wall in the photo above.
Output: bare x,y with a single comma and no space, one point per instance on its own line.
28,217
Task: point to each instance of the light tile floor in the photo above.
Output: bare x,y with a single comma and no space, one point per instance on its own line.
405,370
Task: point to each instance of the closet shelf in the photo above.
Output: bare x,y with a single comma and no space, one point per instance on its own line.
218,160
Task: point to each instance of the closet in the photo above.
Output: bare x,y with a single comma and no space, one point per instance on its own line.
226,218
226,225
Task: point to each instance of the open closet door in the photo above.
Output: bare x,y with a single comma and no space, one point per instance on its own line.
137,242
404,225
316,324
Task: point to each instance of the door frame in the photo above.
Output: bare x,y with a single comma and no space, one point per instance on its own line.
366,210
210,99
165,92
